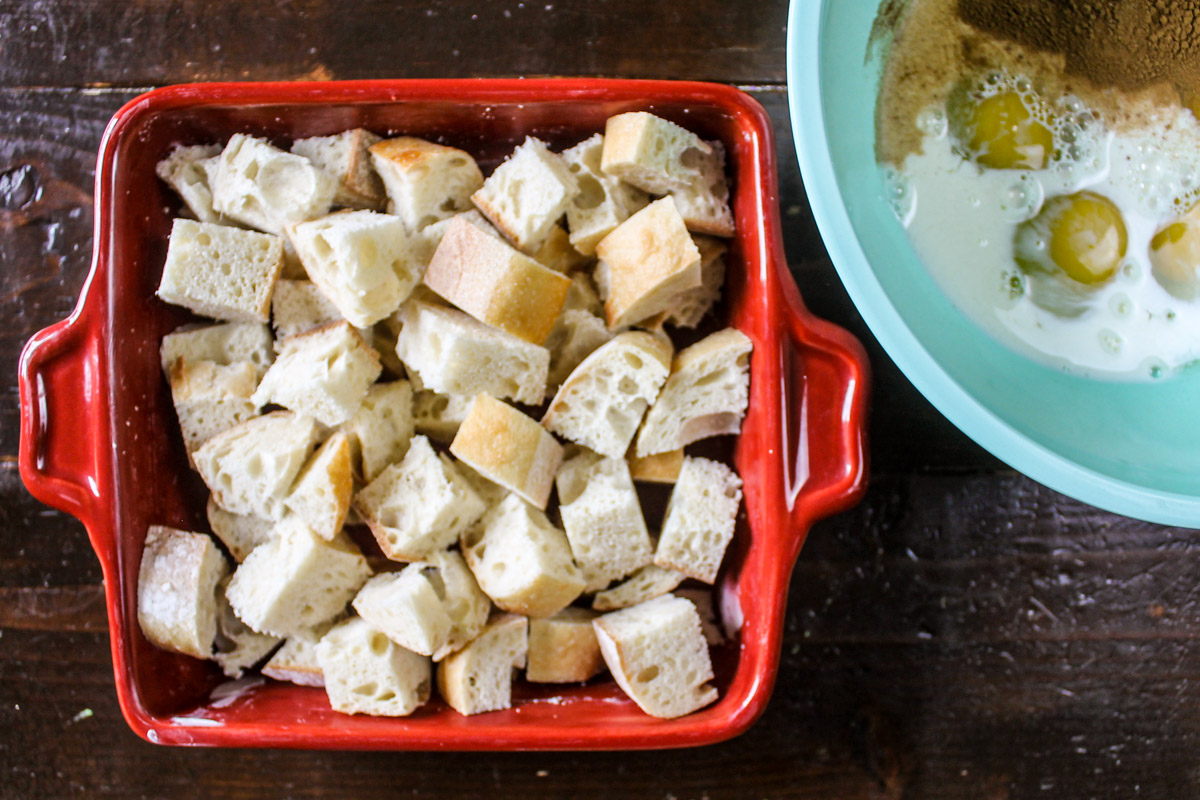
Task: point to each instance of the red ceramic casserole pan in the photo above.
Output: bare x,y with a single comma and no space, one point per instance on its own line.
98,436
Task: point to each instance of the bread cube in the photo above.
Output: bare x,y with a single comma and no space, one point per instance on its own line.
706,394
658,468
496,284
700,519
296,580
299,306
702,599
438,415
563,648
210,398
364,262
557,253
455,354
250,468
240,533
237,648
425,182
177,584
367,673
691,305
478,678
527,194
382,428
645,263
418,506
182,170
603,202
602,518
221,272
704,203
321,494
345,157
509,448
324,373
651,153
296,661
658,656
522,561
227,343
601,403
647,583
266,188
576,335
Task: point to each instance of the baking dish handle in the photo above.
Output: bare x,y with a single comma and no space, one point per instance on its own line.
826,386
59,386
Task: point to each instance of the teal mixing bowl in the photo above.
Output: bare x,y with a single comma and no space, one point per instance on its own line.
1131,448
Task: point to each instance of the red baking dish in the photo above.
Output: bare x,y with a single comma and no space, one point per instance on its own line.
99,441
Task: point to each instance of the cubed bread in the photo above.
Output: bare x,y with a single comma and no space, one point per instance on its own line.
495,283
647,583
296,580
651,153
321,494
557,253
210,398
227,343
296,660
237,648
456,354
250,468
658,656
603,202
182,171
425,182
658,468
704,203
602,518
323,373
489,491
700,519
702,598
382,428
478,678
691,305
521,560
509,448
645,263
345,157
240,533
299,306
266,188
705,395
177,585
418,506
367,673
527,194
221,272
364,262
602,401
563,648
438,415
583,295
576,335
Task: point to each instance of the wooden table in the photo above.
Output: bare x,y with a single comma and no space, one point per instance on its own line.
963,633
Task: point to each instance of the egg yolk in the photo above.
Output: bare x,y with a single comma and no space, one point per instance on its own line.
1175,255
1081,234
1005,135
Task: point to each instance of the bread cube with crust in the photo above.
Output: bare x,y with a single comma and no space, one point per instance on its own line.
227,343
321,494
296,661
557,253
603,202
647,583
250,468
691,305
425,182
324,373
240,533
700,519
210,398
658,656
346,158
645,263
419,505
299,306
382,428
296,580
652,153
177,584
454,353
264,187
527,194
183,171
438,415
577,334
478,678
509,448
658,468
364,262
237,648
704,203
563,648
521,560
221,272
495,283
367,673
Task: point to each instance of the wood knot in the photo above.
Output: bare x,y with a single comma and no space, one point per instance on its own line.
19,186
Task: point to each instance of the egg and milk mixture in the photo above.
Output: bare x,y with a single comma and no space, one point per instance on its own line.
1062,222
